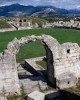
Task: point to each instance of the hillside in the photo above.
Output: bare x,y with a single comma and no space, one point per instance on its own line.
37,20
4,24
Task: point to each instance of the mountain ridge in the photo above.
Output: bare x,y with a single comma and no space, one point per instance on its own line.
42,11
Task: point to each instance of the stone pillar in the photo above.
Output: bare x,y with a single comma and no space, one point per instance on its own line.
9,81
50,67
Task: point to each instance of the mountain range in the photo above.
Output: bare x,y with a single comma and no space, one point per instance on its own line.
41,11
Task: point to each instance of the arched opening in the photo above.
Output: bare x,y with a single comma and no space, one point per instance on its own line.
28,53
24,20
20,20
8,59
35,50
30,50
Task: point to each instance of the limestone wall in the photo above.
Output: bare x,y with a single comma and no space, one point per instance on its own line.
7,29
8,65
8,74
69,60
61,59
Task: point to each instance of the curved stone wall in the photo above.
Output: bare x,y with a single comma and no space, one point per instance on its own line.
61,59
8,62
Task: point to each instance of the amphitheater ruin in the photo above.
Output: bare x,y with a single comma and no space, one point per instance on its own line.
63,63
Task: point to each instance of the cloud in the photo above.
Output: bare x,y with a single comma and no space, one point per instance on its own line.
69,4
7,2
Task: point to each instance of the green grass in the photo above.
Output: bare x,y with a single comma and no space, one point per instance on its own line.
4,24
13,97
36,49
75,90
37,20
31,50
17,97
42,63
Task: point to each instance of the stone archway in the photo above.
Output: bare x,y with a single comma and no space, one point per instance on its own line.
8,60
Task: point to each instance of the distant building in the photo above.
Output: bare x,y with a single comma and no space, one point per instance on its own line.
20,22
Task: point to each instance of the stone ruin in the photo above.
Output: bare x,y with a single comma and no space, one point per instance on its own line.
63,63
20,22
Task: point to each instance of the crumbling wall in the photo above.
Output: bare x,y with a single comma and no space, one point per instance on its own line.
69,60
8,65
61,59
8,74
68,63
8,70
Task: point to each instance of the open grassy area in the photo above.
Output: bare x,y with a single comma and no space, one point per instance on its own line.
36,49
4,24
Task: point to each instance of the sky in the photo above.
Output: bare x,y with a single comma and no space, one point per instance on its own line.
67,4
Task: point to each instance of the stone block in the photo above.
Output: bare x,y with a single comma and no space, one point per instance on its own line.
66,80
36,95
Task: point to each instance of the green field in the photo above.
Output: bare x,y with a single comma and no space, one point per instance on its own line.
36,49
4,24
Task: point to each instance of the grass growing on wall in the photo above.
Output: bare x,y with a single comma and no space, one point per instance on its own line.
42,63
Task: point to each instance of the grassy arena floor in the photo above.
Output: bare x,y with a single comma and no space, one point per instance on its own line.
36,49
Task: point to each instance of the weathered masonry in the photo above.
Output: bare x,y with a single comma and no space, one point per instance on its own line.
63,63
21,22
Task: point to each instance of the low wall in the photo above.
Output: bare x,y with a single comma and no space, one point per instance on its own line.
7,29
